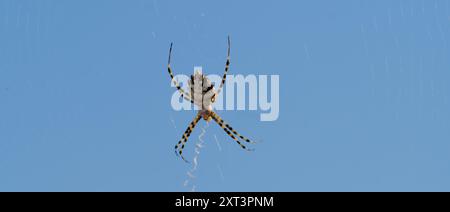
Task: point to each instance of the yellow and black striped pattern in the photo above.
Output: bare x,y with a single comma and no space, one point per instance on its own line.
227,128
180,145
182,92
227,66
213,114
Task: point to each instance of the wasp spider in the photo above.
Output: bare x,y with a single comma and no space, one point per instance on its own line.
203,94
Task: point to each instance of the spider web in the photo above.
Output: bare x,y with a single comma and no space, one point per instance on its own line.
198,146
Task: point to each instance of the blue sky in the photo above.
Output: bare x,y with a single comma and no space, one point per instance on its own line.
364,95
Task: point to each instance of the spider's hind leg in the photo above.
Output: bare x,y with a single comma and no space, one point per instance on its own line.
227,66
169,69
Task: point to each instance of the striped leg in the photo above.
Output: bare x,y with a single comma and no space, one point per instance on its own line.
227,65
221,124
220,120
182,92
180,145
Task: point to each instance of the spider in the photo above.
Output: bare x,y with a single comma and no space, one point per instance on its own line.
203,94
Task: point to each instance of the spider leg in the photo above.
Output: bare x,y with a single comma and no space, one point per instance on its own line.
221,124
227,65
180,145
182,92
213,114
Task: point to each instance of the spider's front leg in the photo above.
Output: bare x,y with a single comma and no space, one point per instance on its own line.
180,145
230,131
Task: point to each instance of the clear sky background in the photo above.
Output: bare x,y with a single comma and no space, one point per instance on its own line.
364,95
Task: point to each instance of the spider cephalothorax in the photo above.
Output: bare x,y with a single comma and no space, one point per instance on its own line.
203,94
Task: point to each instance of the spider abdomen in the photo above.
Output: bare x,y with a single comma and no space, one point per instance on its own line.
202,91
